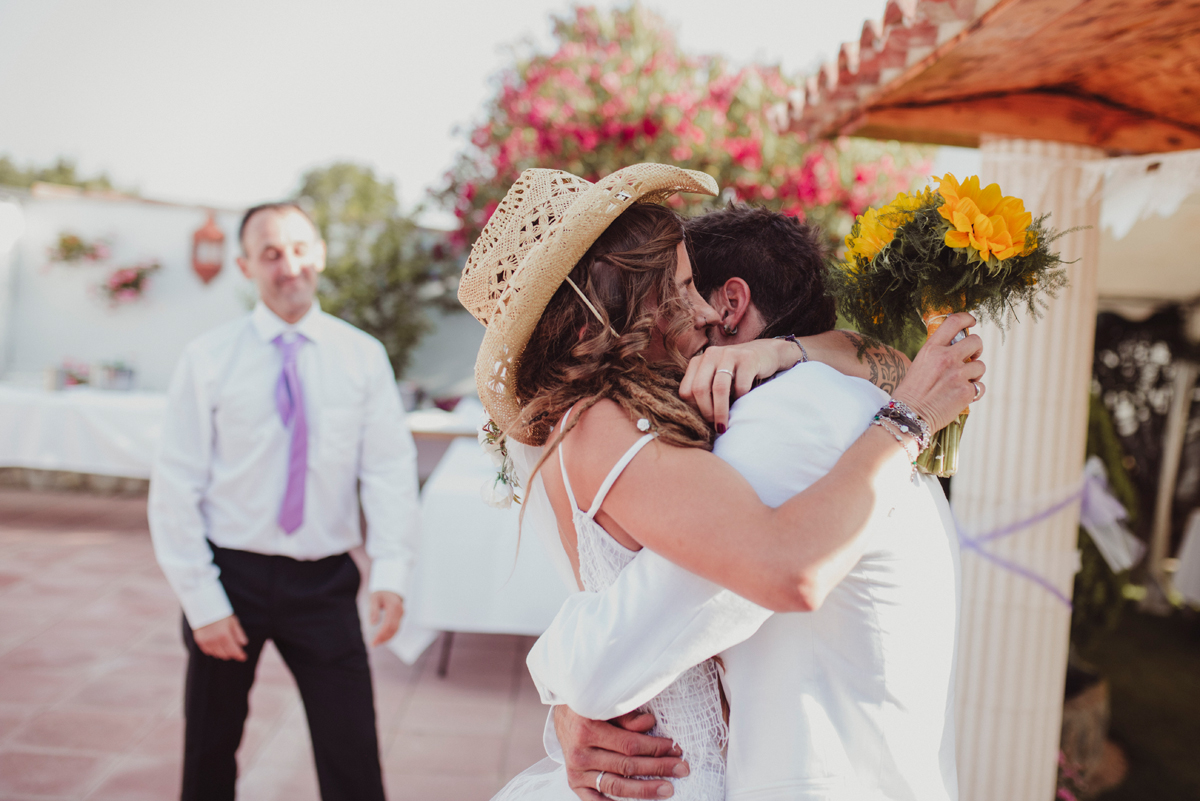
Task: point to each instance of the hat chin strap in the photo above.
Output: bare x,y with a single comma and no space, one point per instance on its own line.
588,303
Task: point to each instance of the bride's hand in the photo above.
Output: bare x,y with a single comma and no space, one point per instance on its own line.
944,377
713,375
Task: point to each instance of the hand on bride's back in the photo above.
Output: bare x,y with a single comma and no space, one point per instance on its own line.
939,385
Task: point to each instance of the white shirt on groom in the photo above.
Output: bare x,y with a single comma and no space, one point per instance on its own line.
852,701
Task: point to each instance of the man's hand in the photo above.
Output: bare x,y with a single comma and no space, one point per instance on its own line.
386,610
223,639
619,748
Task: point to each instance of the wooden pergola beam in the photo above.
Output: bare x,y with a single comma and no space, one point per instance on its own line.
1053,116
1119,75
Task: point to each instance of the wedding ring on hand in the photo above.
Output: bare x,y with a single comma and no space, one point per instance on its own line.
978,391
599,776
725,370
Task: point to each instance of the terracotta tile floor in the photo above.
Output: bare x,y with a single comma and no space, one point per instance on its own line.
91,679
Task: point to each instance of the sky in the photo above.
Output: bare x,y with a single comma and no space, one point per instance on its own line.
228,102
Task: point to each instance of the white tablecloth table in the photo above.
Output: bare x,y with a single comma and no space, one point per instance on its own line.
111,433
80,430
470,575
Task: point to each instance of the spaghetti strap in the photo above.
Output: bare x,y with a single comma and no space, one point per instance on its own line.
609,480
615,473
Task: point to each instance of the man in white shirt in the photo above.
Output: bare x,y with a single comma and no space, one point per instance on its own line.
278,424
850,701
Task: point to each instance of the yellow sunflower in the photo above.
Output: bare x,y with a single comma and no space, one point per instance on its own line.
983,219
875,228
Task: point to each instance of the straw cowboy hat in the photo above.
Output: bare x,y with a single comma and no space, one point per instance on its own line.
537,235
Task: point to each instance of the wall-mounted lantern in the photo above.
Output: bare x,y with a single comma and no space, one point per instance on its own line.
208,249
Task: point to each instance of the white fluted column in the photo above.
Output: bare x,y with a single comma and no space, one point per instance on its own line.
1025,441
12,228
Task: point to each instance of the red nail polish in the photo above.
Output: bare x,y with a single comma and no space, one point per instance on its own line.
720,428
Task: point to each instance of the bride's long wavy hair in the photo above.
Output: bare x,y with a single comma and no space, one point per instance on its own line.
574,358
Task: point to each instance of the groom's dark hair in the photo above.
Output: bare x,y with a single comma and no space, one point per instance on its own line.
781,259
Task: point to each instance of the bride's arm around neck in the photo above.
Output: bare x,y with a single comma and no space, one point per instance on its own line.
697,511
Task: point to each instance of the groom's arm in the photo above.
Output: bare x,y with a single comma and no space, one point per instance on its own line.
607,653
610,652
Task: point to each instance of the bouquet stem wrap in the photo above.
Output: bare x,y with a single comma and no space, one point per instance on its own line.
941,457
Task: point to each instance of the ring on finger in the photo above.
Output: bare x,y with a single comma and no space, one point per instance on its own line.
978,391
599,776
726,370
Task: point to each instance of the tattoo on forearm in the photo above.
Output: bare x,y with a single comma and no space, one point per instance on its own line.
886,364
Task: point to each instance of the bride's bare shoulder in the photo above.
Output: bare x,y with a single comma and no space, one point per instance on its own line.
602,433
599,438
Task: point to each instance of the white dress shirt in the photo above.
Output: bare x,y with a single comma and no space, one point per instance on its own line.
221,470
852,701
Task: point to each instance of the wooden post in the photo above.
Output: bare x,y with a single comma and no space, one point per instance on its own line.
1157,598
1023,449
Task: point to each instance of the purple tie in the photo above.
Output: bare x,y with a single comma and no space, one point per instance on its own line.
289,399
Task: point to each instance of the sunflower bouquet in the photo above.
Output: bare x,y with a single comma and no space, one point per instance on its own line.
955,248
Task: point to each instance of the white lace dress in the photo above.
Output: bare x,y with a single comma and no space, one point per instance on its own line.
688,711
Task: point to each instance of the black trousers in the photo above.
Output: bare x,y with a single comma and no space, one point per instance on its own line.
308,610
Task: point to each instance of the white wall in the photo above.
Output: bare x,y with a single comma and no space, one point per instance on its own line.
1159,259
443,364
56,312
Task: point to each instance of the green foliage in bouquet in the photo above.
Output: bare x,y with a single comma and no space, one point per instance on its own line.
956,248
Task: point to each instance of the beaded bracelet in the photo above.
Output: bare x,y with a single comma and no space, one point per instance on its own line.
910,413
888,426
907,421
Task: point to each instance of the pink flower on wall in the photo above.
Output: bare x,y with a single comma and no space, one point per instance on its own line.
128,284
72,249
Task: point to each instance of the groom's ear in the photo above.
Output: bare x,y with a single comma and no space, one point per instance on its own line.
733,302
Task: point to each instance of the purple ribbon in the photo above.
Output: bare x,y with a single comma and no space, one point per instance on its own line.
1098,506
289,400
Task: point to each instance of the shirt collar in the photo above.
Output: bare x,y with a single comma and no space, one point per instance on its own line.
269,325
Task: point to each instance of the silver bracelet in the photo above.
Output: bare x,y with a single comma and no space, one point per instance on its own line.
803,353
891,428
905,418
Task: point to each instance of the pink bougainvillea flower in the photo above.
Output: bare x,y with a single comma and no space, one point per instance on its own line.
616,90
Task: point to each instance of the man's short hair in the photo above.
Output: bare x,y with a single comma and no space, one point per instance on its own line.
781,259
281,205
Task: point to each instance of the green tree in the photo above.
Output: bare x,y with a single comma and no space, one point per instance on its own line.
63,171
384,272
617,90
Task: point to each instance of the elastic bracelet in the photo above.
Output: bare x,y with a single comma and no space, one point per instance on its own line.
903,415
900,439
904,425
803,353
911,414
